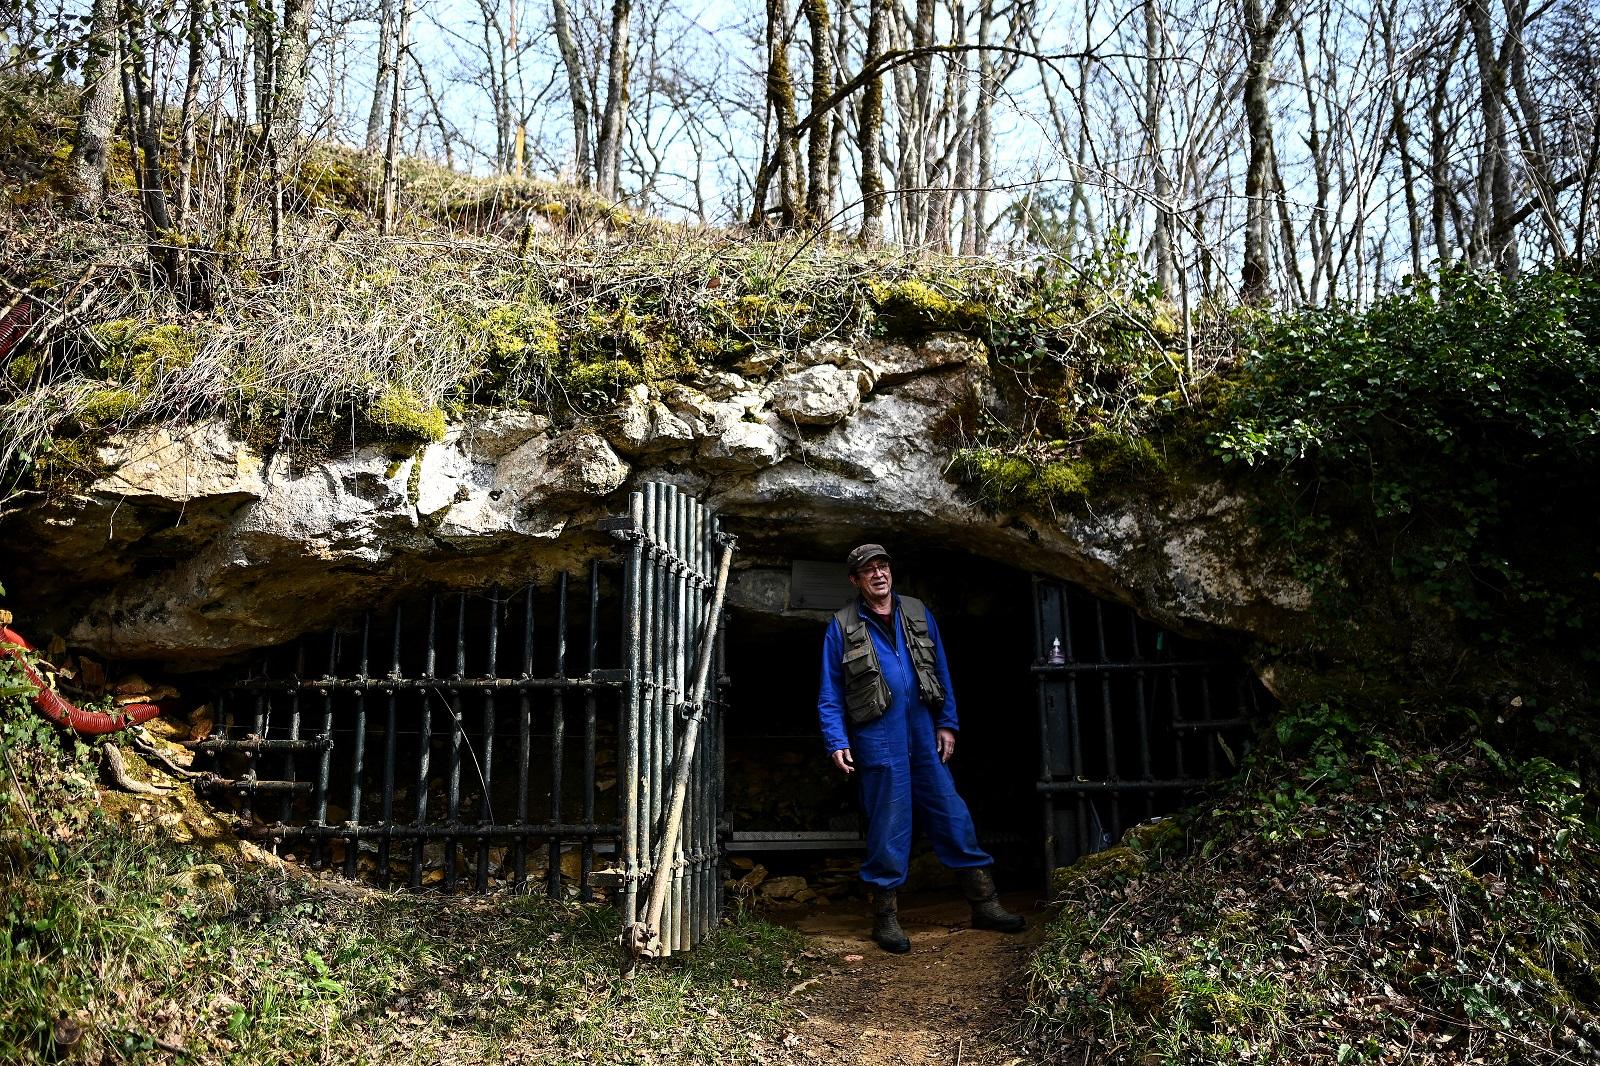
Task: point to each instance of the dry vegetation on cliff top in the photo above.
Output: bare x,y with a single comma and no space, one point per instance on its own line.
503,292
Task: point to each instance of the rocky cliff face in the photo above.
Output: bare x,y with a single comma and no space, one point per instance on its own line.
196,548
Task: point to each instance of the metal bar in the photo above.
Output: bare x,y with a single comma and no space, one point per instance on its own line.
601,679
1206,716
425,741
246,784
1141,710
558,736
628,737
694,905
641,940
486,766
320,797
670,857
453,789
1116,787
1047,803
359,754
255,745
1109,721
1215,725
294,729
1123,667
1075,728
519,858
373,832
586,859
389,737
649,773
1177,722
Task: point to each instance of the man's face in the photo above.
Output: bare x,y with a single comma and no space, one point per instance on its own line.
873,579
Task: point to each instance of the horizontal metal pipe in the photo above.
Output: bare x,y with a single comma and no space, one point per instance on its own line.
211,782
374,832
1149,665
1118,786
601,680
259,744
1214,724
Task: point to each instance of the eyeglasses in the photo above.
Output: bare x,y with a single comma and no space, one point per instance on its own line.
874,568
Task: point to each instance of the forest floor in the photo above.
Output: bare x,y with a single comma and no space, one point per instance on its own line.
950,1001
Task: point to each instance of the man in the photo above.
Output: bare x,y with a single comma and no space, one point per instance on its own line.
888,711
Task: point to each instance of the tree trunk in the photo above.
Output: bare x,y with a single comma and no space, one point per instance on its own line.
613,120
199,11
391,152
869,130
1494,230
378,115
984,134
1161,181
780,98
820,139
1261,37
97,120
582,163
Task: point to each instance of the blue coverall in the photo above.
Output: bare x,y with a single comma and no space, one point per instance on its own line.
897,757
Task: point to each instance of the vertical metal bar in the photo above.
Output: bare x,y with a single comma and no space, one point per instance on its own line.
425,739
687,593
718,752
1142,712
628,738
359,762
486,754
668,707
519,859
1180,771
1042,694
1113,772
389,754
694,926
649,692
287,808
453,793
1206,716
320,797
586,860
558,735
658,671
1075,726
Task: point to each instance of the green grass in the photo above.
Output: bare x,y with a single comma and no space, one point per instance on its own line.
107,951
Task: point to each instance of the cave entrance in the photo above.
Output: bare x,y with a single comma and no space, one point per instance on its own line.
1078,717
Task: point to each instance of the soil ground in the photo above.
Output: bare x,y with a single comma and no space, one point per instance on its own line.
949,1001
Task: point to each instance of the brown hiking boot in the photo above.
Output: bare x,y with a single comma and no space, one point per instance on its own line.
886,931
978,886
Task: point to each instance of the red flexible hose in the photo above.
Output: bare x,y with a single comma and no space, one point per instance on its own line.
63,712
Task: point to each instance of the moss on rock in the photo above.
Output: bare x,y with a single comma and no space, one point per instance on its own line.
402,415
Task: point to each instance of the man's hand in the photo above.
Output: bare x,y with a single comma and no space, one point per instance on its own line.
946,739
844,760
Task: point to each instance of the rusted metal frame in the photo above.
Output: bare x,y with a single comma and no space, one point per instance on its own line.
558,740
424,742
486,765
256,745
1207,716
353,820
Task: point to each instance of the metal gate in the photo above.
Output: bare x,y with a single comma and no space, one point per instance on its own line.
1132,719
489,738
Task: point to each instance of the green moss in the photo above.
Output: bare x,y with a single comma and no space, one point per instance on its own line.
21,369
414,480
554,210
604,376
142,352
1121,862
402,415
917,305
104,407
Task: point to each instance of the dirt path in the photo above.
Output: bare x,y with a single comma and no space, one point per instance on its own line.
946,1002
